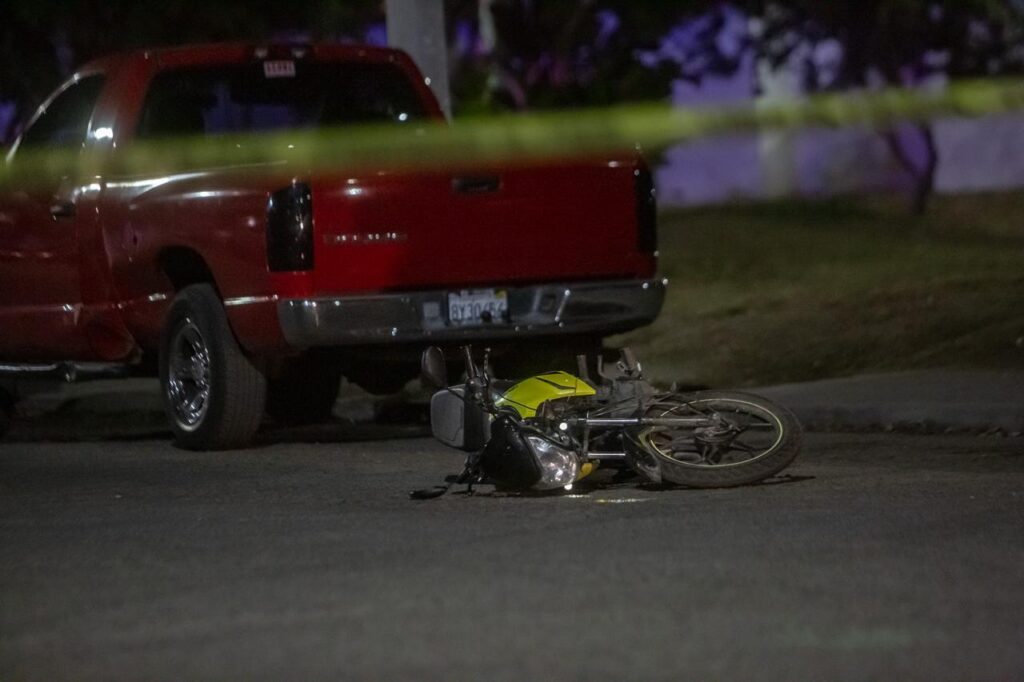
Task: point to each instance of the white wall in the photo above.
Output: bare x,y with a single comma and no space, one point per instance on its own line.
981,154
974,155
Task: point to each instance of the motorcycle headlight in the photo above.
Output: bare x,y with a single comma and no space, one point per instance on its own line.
559,467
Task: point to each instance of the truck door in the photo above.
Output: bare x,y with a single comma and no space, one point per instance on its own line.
42,208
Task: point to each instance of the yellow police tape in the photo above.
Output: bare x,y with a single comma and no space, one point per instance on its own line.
515,137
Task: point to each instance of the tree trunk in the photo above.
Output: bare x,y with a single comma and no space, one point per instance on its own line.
922,173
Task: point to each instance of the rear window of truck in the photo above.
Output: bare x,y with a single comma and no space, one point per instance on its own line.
268,96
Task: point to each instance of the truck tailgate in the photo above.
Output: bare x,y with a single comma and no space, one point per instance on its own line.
403,231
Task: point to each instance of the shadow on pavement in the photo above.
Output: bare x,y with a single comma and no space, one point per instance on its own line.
131,410
782,479
63,427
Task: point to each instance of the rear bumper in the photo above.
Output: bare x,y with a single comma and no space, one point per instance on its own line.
602,308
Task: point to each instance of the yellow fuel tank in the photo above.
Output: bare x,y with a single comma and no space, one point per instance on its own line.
526,396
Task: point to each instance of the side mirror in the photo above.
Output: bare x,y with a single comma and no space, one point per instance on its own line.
433,369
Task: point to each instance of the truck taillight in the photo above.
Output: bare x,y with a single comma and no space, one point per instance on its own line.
646,209
290,229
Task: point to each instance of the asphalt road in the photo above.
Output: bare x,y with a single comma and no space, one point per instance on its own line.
879,557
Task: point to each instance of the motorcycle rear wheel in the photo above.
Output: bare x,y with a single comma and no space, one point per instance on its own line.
751,439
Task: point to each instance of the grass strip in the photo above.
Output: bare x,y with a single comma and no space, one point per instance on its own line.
801,290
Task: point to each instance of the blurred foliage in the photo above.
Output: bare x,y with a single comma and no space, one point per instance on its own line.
900,41
599,52
514,54
882,43
561,54
589,52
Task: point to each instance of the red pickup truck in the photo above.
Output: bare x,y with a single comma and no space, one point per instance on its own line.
253,290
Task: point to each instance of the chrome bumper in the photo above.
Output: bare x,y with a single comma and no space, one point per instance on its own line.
603,308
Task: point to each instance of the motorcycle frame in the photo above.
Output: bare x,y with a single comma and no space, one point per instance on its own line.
586,424
590,422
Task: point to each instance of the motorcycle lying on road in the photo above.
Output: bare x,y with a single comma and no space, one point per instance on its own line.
549,431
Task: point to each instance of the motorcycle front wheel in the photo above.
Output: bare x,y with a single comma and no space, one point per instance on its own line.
743,439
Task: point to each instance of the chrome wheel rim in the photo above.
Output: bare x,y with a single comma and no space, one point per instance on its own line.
188,376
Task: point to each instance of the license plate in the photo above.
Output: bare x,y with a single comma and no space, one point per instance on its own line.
282,68
477,307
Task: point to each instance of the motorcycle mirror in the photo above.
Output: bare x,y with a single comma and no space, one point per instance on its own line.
433,369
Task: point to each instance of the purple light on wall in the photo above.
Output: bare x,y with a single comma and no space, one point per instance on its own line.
376,34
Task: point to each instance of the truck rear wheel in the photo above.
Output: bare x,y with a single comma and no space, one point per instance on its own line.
213,394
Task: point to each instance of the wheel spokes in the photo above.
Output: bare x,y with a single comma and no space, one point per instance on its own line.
743,447
713,445
188,388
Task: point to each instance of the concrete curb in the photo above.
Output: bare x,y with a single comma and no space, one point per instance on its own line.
931,401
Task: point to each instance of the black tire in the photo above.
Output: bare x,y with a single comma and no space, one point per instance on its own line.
756,439
304,390
213,394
